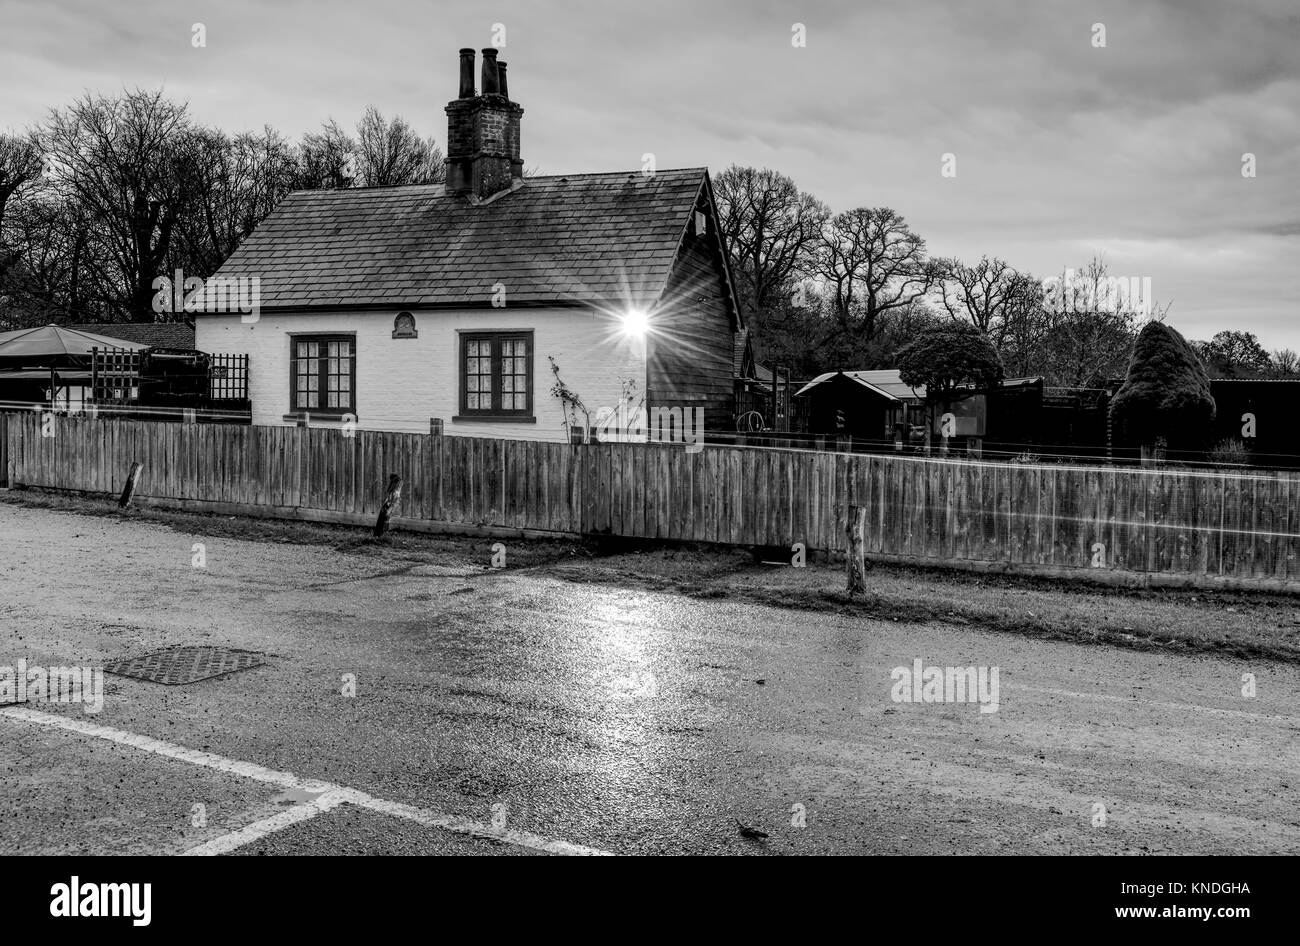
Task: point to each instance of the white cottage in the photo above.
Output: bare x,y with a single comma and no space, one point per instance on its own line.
394,306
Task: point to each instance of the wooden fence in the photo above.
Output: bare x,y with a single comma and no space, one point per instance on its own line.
1165,526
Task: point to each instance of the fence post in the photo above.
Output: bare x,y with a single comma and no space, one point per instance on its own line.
857,558
391,498
129,488
434,476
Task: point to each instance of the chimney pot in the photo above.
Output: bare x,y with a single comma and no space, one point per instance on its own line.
490,86
483,132
467,73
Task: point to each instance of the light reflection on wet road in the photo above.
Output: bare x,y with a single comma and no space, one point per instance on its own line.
626,720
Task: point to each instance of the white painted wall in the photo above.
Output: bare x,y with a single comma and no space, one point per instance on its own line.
403,382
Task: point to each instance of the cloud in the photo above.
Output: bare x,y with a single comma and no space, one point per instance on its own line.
1062,148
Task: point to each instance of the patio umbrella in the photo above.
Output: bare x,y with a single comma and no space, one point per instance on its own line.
54,345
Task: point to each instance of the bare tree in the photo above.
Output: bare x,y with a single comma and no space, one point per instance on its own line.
1006,305
1024,326
770,228
241,180
20,168
390,152
977,294
117,190
872,263
46,273
1285,363
327,159
1090,328
125,165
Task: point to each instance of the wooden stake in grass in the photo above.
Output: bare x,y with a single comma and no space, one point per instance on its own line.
857,559
131,479
391,498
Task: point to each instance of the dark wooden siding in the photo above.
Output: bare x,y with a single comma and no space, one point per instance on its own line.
689,354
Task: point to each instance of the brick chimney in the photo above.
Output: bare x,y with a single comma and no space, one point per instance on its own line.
483,132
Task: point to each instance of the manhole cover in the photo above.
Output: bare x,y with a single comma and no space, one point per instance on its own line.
177,665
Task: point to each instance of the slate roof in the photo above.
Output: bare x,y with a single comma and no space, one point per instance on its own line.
153,334
557,239
888,383
885,382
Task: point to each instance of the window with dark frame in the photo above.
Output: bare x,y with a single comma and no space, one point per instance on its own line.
323,373
496,378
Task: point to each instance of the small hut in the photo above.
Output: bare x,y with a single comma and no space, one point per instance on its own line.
869,405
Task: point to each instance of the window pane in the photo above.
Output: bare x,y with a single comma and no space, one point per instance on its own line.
322,369
485,376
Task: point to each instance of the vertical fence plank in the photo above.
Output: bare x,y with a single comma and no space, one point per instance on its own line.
1292,551
1230,523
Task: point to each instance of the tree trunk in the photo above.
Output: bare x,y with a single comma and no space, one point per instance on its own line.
857,561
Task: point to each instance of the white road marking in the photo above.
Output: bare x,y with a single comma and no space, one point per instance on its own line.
330,795
260,829
463,826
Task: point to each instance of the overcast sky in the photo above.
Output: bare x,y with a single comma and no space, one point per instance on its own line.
1062,149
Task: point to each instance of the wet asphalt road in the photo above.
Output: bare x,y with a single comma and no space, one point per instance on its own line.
622,720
